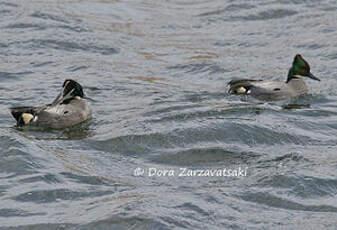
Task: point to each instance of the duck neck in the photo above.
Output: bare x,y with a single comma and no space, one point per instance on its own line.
298,85
291,75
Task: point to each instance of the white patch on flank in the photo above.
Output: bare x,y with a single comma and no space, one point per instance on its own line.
27,117
248,92
241,90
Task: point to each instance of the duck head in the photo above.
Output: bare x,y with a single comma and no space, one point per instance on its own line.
72,88
300,68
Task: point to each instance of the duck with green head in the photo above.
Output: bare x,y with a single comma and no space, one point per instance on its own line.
68,109
275,90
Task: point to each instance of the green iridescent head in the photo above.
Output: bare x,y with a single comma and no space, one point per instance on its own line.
300,68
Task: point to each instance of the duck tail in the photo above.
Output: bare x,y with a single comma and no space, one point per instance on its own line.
23,115
240,86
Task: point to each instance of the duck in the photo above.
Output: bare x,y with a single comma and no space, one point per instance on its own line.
68,109
266,90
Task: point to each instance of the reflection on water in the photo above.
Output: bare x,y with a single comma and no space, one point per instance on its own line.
155,74
296,106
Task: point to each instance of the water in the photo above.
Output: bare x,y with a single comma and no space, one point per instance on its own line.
156,72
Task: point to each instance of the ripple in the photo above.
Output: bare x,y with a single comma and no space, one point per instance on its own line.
50,196
242,12
203,67
77,29
91,180
277,202
222,132
156,71
76,68
119,222
38,26
7,142
48,178
305,187
23,25
47,16
295,157
312,46
230,8
5,76
206,156
43,64
8,212
10,4
50,226
68,46
332,56
4,11
18,165
266,15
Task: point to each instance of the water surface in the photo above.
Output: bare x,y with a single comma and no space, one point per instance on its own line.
156,73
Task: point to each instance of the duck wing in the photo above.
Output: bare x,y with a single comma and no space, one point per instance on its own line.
64,115
24,114
241,86
262,90
44,116
18,111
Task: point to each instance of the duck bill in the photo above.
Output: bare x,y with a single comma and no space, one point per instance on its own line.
313,77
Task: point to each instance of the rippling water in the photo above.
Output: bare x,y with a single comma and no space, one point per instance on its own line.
156,73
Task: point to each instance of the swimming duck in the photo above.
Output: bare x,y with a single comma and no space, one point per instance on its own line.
275,90
68,109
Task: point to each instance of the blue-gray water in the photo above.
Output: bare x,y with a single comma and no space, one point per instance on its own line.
156,72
